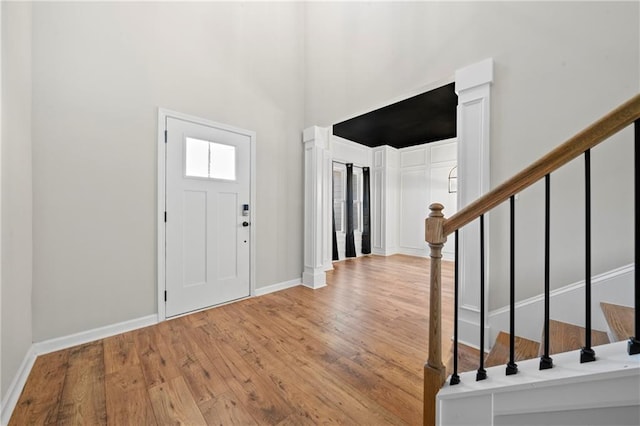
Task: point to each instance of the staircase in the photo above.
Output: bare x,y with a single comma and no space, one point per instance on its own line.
607,393
578,385
564,337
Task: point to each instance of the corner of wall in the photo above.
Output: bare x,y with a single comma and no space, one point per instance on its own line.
16,248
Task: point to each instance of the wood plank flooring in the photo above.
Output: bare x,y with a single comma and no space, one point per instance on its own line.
349,353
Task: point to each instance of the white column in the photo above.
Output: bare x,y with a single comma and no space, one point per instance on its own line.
473,86
385,186
317,204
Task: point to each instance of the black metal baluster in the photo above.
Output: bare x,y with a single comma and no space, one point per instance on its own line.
482,373
512,367
455,379
634,341
587,354
546,361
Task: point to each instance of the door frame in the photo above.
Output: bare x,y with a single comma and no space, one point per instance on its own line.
163,115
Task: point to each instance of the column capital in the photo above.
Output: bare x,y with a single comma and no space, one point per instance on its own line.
316,136
474,75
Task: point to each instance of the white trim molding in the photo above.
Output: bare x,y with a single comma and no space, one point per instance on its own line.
473,86
83,337
261,291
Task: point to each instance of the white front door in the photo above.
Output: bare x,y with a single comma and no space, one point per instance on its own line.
207,222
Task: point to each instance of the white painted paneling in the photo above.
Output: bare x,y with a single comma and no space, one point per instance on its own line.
392,199
476,412
412,157
413,208
378,158
423,181
610,382
444,152
601,416
377,210
439,186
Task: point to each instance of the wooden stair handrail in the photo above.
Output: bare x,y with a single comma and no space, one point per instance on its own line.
602,129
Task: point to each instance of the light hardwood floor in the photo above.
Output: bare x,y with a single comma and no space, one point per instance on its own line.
350,353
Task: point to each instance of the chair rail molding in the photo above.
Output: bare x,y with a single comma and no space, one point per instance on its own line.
473,86
317,206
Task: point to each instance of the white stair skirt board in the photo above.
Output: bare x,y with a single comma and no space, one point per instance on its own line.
15,389
279,286
567,305
569,387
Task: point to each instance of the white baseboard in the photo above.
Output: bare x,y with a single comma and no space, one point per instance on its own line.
390,251
277,287
64,342
567,304
418,252
15,388
17,384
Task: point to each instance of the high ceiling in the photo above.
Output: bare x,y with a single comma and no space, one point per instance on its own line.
428,117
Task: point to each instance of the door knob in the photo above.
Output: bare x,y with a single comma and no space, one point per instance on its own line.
245,224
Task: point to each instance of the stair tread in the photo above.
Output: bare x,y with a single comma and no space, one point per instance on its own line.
620,319
565,337
468,359
499,355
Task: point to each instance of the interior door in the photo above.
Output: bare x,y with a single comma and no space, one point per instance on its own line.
207,216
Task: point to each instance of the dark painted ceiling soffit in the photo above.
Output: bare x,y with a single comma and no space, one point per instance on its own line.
428,117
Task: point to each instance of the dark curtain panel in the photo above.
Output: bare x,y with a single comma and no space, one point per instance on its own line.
350,246
366,217
335,256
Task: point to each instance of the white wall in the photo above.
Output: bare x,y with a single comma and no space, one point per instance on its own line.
16,189
558,67
100,71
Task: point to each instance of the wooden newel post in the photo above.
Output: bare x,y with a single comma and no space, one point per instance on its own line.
434,370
